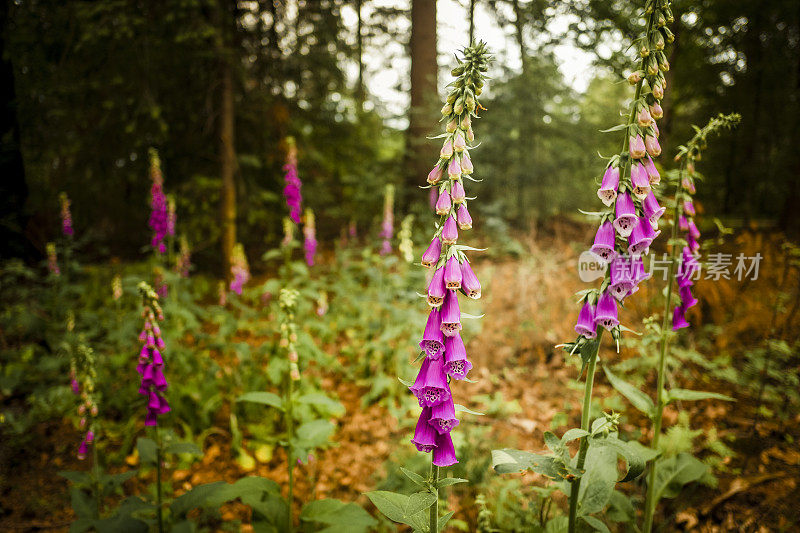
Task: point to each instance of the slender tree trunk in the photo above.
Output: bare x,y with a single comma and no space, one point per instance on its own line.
519,25
360,93
526,138
13,188
424,83
227,149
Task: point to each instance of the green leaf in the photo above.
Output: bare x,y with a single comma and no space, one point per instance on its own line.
640,400
461,409
444,519
184,447
618,127
598,480
262,397
147,450
446,482
340,517
244,488
674,472
197,497
77,477
508,461
314,433
399,507
413,476
694,395
596,523
620,508
323,402
634,461
647,454
552,442
84,505
572,434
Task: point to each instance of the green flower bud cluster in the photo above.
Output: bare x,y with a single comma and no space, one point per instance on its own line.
288,300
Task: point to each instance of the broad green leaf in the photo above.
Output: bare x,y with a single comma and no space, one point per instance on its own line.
694,395
83,505
572,434
634,461
77,477
262,397
596,524
184,447
323,402
446,482
508,461
413,476
340,517
147,450
197,497
418,502
552,442
674,472
404,509
314,433
647,454
250,486
620,508
598,479
640,400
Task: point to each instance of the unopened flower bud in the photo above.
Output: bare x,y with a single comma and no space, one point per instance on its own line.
94,410
451,126
447,109
635,77
655,111
658,91
644,118
644,51
293,357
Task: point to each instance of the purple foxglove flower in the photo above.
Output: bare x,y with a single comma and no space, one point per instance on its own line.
679,318
291,190
640,181
655,111
90,436
433,195
658,91
644,118
585,325
687,298
76,387
435,175
455,357
444,203
83,449
603,246
66,216
433,339
430,387
466,163
652,211
310,234
683,223
688,208
431,255
636,147
638,272
459,144
452,274
652,171
652,146
424,434
444,454
688,184
454,168
458,193
608,188
626,215
639,242
443,417
436,288
451,315
655,129
469,281
693,244
692,229
449,231
605,314
463,217
621,279
158,215
447,149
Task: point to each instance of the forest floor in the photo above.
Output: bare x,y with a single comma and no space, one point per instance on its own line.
529,308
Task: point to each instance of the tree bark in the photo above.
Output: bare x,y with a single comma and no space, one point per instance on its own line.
360,93
420,153
519,25
227,149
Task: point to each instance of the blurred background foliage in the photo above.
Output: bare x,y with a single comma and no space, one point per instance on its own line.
89,86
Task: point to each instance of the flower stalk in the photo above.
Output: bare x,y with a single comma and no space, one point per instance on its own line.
287,301
630,226
443,351
680,271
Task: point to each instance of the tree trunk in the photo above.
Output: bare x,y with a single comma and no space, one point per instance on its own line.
519,24
360,93
14,190
420,152
227,150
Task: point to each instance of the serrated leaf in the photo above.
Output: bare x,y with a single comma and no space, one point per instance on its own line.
637,398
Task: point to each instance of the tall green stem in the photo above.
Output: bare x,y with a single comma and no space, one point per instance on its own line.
650,502
96,467
434,523
289,454
159,510
585,425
